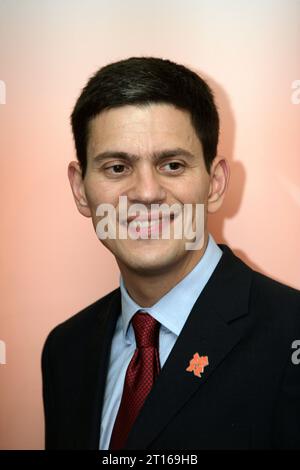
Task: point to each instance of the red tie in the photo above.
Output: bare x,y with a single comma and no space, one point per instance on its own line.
140,376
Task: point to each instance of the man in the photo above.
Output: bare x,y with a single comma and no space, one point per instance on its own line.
194,350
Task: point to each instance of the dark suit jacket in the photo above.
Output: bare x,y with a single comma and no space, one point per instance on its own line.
247,397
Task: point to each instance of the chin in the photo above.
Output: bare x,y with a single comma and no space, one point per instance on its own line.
150,262
145,268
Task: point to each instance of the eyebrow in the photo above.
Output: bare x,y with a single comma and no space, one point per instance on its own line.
133,158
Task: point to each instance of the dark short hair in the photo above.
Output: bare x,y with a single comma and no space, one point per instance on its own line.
142,81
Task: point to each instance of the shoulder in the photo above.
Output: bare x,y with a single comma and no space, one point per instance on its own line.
275,293
275,305
84,321
265,288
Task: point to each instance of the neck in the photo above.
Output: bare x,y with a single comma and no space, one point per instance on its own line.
146,290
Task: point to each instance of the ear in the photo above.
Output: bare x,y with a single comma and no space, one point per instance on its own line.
219,179
77,186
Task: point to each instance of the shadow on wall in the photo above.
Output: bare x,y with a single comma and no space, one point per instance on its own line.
237,181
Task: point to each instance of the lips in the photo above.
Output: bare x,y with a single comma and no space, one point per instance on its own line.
148,223
148,229
145,220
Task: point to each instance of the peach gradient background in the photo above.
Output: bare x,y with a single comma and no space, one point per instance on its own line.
52,263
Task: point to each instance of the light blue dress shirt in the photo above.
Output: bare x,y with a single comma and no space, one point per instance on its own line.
172,311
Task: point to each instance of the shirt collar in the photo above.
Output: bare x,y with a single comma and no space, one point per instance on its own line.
173,309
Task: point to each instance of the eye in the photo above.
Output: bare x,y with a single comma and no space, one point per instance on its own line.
118,169
174,166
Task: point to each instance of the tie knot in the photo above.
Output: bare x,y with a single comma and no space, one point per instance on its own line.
146,329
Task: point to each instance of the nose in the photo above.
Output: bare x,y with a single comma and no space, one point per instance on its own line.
146,187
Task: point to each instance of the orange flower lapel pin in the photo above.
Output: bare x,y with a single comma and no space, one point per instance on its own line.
197,364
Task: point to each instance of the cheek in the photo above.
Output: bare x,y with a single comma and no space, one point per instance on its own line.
99,193
194,193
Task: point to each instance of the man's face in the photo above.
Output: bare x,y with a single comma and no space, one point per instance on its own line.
181,179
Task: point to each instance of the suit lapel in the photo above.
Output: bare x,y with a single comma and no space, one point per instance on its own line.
209,330
95,371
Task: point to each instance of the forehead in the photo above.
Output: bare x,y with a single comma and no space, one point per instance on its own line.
144,127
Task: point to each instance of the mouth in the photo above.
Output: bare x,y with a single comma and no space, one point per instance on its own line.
148,226
148,221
